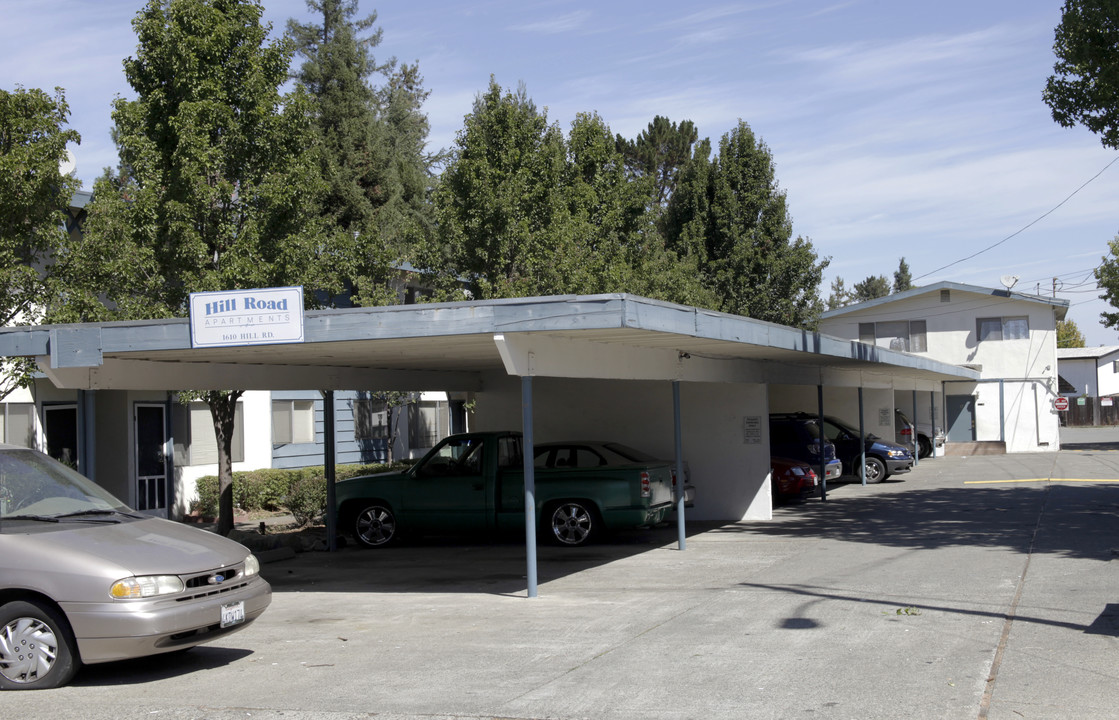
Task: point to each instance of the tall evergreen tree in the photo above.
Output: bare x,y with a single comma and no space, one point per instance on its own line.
874,286
903,280
840,295
373,140
733,215
658,153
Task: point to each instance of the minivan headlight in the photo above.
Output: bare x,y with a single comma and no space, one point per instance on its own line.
146,587
252,565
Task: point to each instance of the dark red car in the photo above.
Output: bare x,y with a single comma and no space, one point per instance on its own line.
792,480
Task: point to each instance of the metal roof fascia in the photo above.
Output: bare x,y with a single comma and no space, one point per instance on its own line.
1059,304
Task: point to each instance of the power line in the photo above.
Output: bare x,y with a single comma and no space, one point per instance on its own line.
1023,229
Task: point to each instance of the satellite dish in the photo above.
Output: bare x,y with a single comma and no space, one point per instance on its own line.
1009,281
68,164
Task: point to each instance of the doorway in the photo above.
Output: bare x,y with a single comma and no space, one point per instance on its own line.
151,459
60,426
961,417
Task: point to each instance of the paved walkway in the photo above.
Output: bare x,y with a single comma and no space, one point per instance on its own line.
980,587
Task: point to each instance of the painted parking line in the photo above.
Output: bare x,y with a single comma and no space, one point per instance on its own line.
1041,480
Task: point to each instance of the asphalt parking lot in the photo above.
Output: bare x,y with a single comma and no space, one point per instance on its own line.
980,587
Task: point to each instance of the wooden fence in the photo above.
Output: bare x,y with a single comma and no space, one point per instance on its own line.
1084,412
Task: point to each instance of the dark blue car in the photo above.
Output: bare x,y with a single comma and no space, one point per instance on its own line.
883,457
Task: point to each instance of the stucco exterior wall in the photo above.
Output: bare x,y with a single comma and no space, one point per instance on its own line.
1027,366
725,430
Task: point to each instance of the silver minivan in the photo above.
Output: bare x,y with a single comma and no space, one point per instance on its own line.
84,579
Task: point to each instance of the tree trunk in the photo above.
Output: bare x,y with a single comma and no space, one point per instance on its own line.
223,410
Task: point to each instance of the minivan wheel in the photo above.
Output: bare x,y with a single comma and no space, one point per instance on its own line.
924,446
875,470
37,650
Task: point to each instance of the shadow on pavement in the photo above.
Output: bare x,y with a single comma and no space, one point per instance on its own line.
1107,623
159,667
453,565
998,517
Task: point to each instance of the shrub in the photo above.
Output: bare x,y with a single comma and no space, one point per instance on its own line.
273,488
307,499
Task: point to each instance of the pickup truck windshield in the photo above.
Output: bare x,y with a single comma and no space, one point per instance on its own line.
32,484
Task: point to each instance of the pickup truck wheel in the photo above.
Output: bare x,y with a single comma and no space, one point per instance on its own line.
571,523
375,526
37,650
875,470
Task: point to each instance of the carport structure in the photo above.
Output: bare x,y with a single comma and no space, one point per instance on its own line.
601,359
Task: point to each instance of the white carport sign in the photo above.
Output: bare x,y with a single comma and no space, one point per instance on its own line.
263,316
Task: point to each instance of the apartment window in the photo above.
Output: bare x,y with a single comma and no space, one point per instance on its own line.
428,423
293,421
904,335
1008,328
371,419
17,424
193,428
945,295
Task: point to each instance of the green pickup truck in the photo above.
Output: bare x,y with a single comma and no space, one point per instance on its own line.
474,484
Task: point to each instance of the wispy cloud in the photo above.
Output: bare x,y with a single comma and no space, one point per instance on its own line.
556,25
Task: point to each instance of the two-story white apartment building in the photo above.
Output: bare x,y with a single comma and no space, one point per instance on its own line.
1009,337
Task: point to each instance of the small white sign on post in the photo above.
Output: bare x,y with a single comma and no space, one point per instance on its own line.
246,317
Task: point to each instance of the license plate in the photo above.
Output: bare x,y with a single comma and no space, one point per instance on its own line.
232,614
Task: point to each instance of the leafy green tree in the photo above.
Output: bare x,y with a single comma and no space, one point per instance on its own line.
1107,278
903,280
1069,335
502,215
1084,87
34,197
732,215
218,186
372,138
874,286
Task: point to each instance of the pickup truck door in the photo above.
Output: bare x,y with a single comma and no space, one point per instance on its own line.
448,492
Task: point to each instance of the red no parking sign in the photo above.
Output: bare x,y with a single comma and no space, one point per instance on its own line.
1060,403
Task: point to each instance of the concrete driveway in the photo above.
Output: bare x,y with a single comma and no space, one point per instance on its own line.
979,587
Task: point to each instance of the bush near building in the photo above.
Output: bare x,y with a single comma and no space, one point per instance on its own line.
300,491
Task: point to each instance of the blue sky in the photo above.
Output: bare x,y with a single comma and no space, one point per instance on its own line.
897,129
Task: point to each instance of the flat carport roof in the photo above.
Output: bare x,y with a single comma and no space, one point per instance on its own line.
452,346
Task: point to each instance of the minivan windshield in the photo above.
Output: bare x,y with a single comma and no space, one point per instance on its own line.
35,486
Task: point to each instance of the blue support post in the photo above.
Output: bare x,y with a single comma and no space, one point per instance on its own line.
823,440
862,440
530,483
916,444
682,537
87,427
